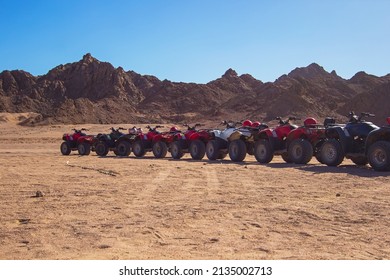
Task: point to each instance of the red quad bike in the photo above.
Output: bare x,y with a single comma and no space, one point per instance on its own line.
143,142
305,141
242,140
192,141
162,141
77,141
273,141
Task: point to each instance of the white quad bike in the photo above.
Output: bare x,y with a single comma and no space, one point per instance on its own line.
218,147
242,141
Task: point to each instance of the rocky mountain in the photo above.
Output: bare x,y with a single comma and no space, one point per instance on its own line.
91,91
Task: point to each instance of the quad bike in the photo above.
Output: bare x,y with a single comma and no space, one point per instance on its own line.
104,143
348,141
192,140
143,142
242,140
305,141
378,148
271,142
124,143
78,140
218,145
162,141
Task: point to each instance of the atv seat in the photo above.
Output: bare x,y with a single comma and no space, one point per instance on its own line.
329,121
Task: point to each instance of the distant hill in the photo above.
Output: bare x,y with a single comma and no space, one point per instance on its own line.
91,91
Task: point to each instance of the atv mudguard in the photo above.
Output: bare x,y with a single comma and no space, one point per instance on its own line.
341,134
297,133
379,134
234,136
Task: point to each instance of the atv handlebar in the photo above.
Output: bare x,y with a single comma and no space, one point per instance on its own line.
79,130
287,121
154,128
192,127
230,124
117,129
354,118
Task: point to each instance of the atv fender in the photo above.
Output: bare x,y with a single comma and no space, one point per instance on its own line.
381,134
264,134
341,134
234,136
294,134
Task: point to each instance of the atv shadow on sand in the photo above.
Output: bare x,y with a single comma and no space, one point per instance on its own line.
356,170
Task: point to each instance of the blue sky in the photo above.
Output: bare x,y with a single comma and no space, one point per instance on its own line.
197,41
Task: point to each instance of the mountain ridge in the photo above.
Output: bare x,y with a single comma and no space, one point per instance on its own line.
96,92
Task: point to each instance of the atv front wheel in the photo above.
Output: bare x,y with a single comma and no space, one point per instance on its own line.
65,148
101,149
237,150
264,151
379,156
84,149
160,149
331,153
300,151
123,149
197,149
139,148
176,150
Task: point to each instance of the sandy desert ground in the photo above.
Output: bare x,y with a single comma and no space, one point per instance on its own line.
128,208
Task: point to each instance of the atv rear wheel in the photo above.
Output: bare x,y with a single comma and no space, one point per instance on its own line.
264,151
379,156
123,149
84,149
286,158
101,149
160,149
212,150
197,149
139,148
237,150
331,152
65,148
176,150
300,151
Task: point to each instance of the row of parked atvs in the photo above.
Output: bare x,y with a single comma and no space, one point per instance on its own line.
359,140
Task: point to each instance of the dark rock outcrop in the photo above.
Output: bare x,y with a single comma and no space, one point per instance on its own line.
91,91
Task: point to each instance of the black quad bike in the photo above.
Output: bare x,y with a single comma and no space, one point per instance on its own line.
378,148
104,143
348,141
